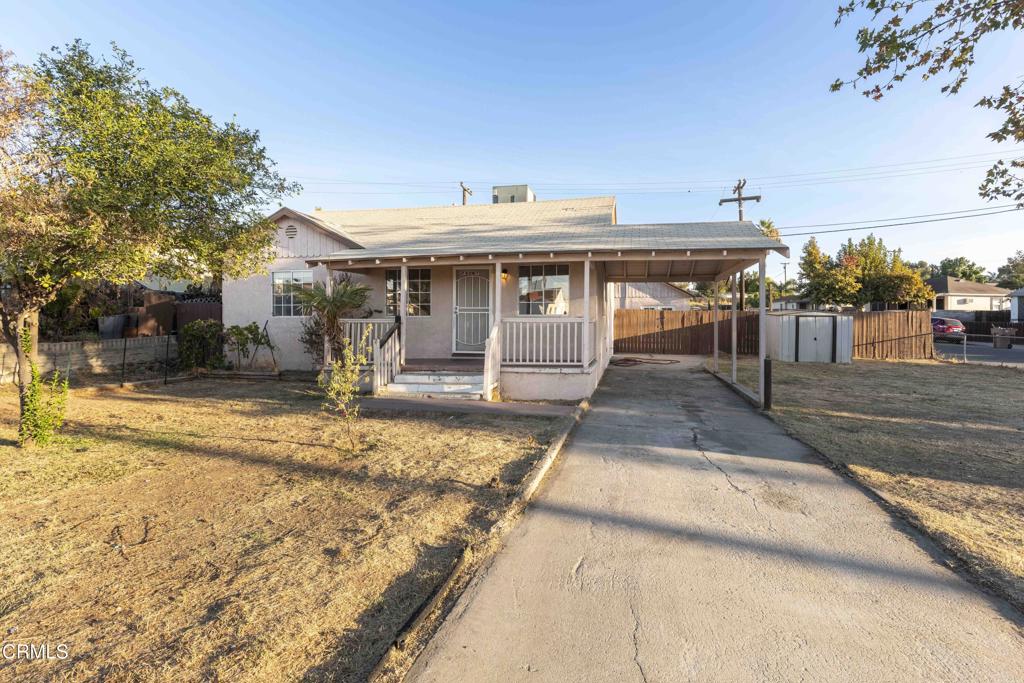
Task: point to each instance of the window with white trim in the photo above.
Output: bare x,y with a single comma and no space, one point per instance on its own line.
284,301
419,291
544,289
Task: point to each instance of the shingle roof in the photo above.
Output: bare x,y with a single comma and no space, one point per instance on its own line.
946,284
457,227
529,227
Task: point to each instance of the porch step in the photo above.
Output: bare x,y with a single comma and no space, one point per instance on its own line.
434,377
437,384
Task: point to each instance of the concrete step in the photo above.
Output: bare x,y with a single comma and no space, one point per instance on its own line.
460,395
438,378
439,388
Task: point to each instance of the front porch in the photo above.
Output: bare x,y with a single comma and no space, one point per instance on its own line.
524,326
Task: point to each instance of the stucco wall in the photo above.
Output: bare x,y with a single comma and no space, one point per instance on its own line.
969,302
251,299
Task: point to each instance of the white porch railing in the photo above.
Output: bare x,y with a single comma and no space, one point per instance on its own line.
545,340
353,329
492,361
387,358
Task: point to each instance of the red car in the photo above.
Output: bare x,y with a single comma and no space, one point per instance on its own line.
948,329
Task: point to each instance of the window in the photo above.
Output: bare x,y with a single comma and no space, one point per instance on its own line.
284,302
419,291
544,290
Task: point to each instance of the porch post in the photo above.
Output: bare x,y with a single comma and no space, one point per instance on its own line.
714,350
762,331
609,312
328,288
403,311
586,313
497,297
732,313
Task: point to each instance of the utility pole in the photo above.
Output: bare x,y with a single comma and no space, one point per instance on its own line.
466,193
785,272
740,198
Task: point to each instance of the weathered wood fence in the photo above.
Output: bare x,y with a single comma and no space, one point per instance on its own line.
682,332
889,335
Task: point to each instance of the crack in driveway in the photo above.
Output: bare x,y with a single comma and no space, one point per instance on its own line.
728,478
636,642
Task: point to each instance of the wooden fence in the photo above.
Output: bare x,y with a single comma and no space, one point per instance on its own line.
893,335
888,335
682,332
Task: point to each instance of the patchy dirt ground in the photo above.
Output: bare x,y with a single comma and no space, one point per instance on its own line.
942,442
223,531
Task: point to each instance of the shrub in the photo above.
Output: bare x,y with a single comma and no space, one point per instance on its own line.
312,338
241,339
340,382
42,416
201,345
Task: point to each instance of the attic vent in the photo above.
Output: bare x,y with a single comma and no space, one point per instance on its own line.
291,231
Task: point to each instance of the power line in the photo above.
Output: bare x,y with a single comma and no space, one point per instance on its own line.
894,225
567,185
901,218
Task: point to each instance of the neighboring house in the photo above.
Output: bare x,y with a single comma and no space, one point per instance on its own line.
514,296
793,302
1017,305
652,296
956,294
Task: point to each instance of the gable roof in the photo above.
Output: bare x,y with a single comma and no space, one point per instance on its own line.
946,284
285,212
458,227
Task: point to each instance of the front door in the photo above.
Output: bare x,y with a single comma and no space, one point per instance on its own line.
471,321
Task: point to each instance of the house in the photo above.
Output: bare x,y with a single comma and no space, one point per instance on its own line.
513,297
793,302
652,296
956,294
1017,305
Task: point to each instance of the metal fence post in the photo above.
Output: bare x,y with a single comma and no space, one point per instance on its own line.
167,358
965,348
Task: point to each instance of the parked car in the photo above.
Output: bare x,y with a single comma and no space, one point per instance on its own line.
948,329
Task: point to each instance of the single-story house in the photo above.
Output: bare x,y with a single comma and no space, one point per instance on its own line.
956,294
513,297
652,296
794,302
1017,305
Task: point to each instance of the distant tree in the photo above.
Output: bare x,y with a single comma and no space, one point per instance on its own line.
963,268
103,176
941,38
768,229
924,269
1011,275
826,281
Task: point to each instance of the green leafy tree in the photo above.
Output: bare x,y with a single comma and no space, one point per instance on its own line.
940,38
340,382
924,269
963,268
825,281
104,176
1011,275
331,306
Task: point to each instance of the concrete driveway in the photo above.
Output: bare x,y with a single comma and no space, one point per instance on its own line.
685,537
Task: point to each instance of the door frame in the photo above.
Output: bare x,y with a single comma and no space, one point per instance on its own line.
455,303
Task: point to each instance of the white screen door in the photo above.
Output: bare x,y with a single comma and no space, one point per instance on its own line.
471,321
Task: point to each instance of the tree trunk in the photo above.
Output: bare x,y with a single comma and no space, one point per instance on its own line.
29,319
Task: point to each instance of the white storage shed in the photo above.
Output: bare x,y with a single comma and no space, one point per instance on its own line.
810,337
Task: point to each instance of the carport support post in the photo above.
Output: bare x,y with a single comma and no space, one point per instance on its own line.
328,289
732,313
586,313
762,333
714,351
403,310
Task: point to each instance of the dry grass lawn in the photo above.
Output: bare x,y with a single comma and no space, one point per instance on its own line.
222,530
942,442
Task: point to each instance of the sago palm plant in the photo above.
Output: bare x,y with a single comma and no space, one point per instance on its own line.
344,299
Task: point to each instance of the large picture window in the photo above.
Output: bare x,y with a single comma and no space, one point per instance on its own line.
419,291
284,302
544,290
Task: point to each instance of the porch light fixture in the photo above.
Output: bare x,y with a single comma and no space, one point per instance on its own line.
504,275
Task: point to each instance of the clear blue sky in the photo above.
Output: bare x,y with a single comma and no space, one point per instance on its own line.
574,98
